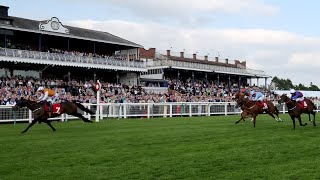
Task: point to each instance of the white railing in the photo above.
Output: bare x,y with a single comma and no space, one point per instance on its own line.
137,110
69,58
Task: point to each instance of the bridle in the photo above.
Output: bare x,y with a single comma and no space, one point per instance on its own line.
289,102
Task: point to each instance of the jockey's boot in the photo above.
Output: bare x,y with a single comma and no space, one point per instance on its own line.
50,109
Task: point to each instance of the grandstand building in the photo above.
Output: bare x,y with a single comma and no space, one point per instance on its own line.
163,65
51,49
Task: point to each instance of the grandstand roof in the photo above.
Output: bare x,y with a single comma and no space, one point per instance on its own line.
28,25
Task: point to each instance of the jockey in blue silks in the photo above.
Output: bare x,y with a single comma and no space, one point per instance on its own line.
297,96
259,96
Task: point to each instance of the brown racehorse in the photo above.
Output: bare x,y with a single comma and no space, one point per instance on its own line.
272,109
41,115
295,111
250,107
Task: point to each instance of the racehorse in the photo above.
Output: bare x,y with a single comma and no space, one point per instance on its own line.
295,110
250,107
40,111
272,109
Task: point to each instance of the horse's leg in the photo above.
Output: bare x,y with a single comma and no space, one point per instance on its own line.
314,118
30,125
279,119
49,124
293,122
254,120
268,112
309,117
82,117
276,112
299,118
243,115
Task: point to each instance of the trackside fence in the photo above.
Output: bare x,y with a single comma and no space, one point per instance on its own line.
137,110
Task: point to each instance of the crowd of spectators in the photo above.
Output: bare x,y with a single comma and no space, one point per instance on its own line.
83,91
84,54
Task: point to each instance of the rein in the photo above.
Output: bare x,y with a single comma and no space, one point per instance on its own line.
252,106
37,109
287,105
292,108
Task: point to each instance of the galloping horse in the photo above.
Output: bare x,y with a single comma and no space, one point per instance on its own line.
295,110
250,107
272,109
40,111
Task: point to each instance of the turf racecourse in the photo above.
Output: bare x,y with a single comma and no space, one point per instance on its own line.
172,148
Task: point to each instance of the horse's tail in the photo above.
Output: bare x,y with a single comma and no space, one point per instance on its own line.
80,106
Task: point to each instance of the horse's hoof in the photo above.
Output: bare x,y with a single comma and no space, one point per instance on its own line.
236,122
23,132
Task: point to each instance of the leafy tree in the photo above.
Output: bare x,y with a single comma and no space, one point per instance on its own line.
285,84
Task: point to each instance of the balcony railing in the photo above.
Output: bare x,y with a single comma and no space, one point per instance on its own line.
164,61
69,58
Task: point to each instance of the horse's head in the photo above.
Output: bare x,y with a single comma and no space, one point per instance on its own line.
20,103
238,95
283,99
240,102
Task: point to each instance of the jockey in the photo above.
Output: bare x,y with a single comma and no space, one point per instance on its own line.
249,93
297,96
259,96
48,95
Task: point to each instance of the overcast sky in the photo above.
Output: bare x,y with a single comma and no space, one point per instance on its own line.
281,38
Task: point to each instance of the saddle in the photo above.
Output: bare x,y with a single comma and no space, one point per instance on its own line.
302,104
56,108
263,104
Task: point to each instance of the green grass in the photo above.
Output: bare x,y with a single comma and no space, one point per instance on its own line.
176,148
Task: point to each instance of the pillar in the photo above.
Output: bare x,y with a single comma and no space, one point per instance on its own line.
265,83
40,43
69,76
193,78
117,78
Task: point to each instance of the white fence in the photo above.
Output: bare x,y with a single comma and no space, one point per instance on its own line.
136,110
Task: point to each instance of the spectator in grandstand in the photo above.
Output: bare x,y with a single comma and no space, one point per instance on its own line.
11,102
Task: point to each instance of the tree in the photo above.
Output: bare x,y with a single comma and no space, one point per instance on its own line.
285,84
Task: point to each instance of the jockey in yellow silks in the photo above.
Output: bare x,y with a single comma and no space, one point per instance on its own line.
49,96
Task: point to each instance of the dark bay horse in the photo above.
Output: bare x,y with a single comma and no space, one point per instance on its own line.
272,109
250,107
41,115
295,110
